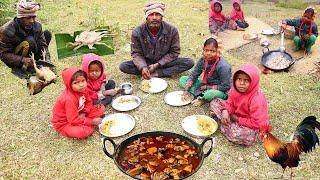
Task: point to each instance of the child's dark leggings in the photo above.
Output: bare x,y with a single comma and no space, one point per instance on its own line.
108,99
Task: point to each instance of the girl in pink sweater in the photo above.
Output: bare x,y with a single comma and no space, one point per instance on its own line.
237,16
246,109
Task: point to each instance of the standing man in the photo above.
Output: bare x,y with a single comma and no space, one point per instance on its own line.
155,47
22,36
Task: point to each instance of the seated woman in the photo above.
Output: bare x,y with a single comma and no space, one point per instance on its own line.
237,16
217,21
306,30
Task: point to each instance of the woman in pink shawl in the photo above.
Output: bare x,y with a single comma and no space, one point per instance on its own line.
101,89
246,109
217,21
237,16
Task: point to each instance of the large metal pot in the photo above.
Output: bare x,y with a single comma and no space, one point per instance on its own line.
118,149
269,55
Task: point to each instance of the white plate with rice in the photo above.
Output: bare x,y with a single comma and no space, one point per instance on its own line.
175,99
153,85
126,103
199,125
115,125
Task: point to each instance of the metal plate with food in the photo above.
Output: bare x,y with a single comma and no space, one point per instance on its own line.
153,85
199,125
126,103
115,125
250,36
175,99
267,32
158,155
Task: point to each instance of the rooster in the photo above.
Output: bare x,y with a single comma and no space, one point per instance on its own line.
304,139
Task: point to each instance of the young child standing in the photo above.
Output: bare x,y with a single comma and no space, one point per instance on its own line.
100,88
246,109
217,21
74,116
237,16
216,71
306,30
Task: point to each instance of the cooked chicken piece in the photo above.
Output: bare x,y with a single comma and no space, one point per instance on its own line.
186,156
188,168
150,168
159,138
152,150
160,176
171,160
133,146
153,163
142,154
191,152
179,148
186,146
149,140
183,161
170,146
135,171
145,175
142,148
167,170
179,157
175,173
133,160
159,155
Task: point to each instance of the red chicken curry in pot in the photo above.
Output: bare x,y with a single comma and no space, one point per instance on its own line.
159,157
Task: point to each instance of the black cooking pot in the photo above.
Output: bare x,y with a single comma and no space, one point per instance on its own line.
118,149
269,55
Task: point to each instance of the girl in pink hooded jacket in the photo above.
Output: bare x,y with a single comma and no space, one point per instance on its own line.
246,109
237,16
101,89
73,114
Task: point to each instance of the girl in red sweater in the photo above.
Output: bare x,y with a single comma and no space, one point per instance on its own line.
74,115
246,109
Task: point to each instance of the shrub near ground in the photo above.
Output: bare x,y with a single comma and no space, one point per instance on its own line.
30,148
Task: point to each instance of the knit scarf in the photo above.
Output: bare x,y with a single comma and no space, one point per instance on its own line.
205,74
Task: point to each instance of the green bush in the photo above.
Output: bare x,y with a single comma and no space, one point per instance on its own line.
7,10
296,4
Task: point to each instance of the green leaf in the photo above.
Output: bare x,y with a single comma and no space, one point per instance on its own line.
64,50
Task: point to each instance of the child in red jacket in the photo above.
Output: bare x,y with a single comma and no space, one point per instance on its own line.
74,115
237,16
100,88
217,21
246,109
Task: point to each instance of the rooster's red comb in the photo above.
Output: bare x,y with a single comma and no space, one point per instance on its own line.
266,128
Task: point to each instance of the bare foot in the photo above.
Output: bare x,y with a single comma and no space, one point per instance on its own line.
197,102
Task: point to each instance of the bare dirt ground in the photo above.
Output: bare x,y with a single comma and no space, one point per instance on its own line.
252,53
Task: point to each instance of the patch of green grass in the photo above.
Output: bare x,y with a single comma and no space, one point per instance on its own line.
296,4
6,10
